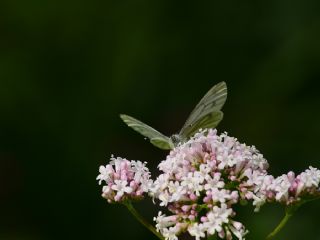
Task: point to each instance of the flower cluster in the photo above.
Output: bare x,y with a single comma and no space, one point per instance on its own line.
201,180
124,180
290,189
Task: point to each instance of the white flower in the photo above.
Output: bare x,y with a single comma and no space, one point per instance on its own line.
281,186
164,221
176,190
164,198
220,195
311,177
217,217
106,192
121,187
105,172
171,233
197,230
160,184
193,182
237,229
258,201
214,182
146,184
140,170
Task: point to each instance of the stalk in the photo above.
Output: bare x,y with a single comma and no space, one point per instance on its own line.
280,226
143,221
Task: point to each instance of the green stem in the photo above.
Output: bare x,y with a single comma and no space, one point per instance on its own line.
143,221
280,226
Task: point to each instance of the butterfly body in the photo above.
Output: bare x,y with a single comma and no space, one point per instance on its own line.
206,114
176,139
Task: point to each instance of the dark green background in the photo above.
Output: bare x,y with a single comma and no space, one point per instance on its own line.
68,68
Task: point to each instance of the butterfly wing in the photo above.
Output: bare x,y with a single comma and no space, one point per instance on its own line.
207,113
211,120
162,143
156,138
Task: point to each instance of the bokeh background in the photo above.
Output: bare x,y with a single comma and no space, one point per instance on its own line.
68,68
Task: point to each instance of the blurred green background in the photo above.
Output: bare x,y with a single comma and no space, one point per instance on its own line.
68,68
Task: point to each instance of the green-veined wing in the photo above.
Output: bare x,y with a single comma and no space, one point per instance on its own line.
156,138
207,113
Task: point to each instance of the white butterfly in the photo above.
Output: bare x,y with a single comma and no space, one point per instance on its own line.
206,114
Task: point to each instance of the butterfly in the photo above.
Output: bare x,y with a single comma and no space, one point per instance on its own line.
207,114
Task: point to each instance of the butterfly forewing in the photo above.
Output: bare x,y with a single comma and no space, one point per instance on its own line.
213,101
210,120
156,138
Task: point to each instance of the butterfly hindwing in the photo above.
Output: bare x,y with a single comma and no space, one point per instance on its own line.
202,114
162,143
156,138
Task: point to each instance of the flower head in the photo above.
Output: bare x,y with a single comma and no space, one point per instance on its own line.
202,179
290,189
124,179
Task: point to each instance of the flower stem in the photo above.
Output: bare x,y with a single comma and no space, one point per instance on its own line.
143,221
280,226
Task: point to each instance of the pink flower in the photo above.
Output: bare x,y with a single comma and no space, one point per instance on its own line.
124,180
